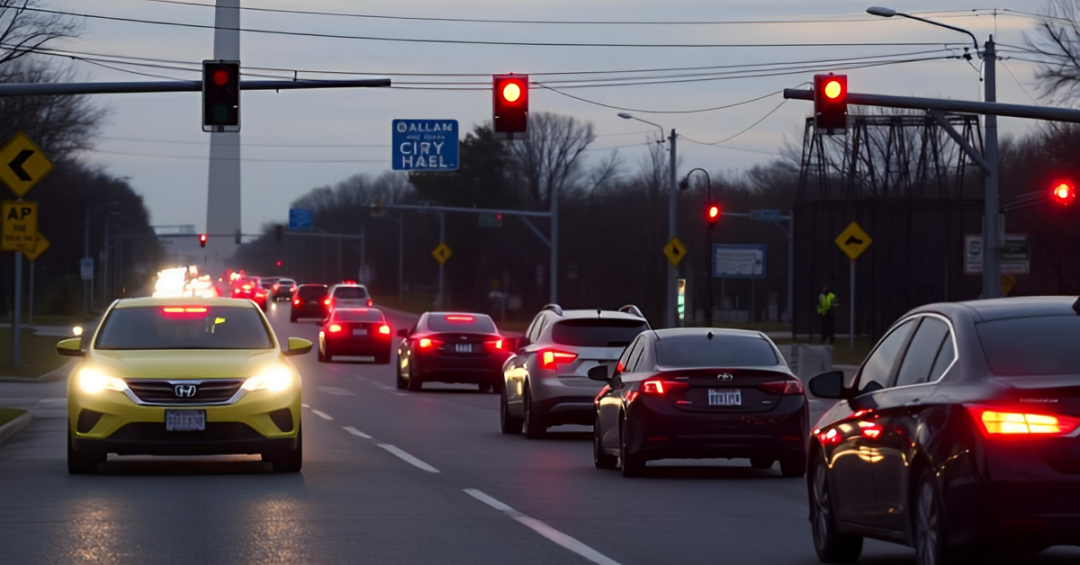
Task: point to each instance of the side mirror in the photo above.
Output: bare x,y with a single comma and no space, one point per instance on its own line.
71,347
403,333
298,346
599,373
828,385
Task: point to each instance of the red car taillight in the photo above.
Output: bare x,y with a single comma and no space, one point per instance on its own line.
1011,421
326,302
384,329
496,345
369,302
427,343
782,387
334,328
660,387
550,358
296,302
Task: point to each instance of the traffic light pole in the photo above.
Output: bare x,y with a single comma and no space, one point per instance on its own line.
991,230
673,273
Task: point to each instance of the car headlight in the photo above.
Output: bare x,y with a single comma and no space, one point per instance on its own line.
93,381
275,379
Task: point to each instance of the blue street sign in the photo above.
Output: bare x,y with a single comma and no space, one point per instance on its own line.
765,215
425,145
737,261
300,219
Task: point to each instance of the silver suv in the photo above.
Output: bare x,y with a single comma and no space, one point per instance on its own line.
546,381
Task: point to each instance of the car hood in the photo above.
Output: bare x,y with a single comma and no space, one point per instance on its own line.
203,364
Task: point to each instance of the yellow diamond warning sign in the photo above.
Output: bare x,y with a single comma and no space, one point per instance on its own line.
853,240
675,251
442,253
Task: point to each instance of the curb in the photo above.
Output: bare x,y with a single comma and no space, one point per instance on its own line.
12,428
56,374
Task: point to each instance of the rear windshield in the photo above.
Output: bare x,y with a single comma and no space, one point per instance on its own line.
184,327
311,291
358,315
720,351
596,332
350,292
286,282
470,323
1038,346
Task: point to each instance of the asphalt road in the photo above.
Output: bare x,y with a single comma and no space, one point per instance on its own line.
396,477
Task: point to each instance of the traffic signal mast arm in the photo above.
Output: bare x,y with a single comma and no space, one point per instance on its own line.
36,89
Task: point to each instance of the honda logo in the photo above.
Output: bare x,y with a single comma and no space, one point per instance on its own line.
185,391
725,377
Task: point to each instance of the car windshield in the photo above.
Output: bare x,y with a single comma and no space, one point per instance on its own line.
360,315
309,291
1034,346
184,327
350,293
597,332
720,351
470,323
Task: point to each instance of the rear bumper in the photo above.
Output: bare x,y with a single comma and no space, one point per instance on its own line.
358,346
562,410
308,312
469,370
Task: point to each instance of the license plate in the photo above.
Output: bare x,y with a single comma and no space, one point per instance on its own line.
359,332
725,397
463,347
185,420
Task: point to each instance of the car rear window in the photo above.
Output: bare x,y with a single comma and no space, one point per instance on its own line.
286,282
364,315
350,293
184,327
310,291
720,351
597,332
470,323
1034,346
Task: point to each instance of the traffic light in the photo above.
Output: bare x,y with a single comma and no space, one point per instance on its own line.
279,232
279,263
830,103
202,240
1063,193
376,208
712,214
221,95
510,110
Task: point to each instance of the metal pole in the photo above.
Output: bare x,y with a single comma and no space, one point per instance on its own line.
340,271
791,271
554,283
991,232
672,273
86,255
442,239
16,326
708,253
401,260
851,312
223,183
30,302
105,264
363,253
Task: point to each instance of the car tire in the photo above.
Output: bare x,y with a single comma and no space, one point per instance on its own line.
82,463
601,460
928,523
831,545
288,461
534,422
414,384
321,356
509,424
400,380
631,464
793,466
761,463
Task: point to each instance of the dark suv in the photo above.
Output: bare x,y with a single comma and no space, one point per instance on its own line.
310,301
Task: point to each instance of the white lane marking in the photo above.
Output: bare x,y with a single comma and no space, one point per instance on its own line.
305,406
355,432
388,388
408,458
543,529
322,415
336,391
358,377
381,385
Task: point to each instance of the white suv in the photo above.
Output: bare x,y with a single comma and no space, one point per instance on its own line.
348,296
546,381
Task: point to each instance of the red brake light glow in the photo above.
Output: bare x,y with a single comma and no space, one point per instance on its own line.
550,359
326,302
369,302
296,302
461,319
384,329
334,328
183,311
427,343
652,387
782,387
995,422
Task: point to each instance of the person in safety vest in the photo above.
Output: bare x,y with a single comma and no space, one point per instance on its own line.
826,311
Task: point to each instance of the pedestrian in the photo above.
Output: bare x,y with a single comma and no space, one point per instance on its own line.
826,311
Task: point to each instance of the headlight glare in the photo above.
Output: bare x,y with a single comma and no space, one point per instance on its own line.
274,379
93,381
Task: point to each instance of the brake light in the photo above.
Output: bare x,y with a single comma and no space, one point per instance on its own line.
461,319
496,344
550,359
384,329
782,387
652,387
186,310
369,302
296,301
334,328
994,422
660,387
326,302
247,287
427,343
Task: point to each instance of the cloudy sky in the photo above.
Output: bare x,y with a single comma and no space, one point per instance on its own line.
706,54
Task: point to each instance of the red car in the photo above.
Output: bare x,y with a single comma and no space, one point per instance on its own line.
361,332
251,289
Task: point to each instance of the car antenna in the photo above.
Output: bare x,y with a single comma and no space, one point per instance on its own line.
709,335
1076,306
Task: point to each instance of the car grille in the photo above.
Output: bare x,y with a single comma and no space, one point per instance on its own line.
164,392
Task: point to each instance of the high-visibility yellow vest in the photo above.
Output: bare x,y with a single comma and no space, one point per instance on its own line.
826,302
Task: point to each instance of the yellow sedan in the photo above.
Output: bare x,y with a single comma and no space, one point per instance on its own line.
183,377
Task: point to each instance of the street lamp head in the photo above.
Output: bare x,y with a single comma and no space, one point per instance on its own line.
625,116
684,183
879,11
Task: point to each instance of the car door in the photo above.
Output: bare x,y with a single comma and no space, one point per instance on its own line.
853,448
515,370
610,402
901,408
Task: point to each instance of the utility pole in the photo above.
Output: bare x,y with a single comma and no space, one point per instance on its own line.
672,272
223,190
991,229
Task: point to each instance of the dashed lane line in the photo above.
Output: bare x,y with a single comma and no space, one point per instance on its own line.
355,432
322,415
404,456
543,529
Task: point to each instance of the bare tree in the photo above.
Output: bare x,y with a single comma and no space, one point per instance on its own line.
548,160
1057,42
61,125
23,29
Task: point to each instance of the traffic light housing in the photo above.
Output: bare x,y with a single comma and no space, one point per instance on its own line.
377,207
279,232
712,214
510,108
202,240
830,103
1063,193
221,96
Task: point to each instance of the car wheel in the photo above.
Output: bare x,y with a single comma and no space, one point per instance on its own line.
761,463
322,356
414,384
534,422
831,545
632,464
601,460
931,543
288,461
400,380
80,463
793,466
509,424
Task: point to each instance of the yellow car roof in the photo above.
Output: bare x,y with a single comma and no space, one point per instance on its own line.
151,302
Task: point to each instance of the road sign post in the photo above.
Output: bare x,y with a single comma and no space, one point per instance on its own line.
42,245
853,241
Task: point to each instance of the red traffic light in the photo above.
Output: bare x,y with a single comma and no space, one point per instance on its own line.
221,77
510,107
202,240
712,213
221,96
1063,193
830,103
279,263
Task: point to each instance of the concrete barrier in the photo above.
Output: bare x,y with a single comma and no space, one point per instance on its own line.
812,360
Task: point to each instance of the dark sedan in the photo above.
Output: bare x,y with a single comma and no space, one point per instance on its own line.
309,301
700,393
452,347
959,434
355,332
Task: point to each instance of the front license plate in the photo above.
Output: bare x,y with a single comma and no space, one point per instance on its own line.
463,347
725,397
185,420
359,332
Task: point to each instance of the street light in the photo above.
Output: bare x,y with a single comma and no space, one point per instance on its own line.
991,287
712,218
669,315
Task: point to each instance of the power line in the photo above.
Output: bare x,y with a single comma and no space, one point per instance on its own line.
752,126
700,110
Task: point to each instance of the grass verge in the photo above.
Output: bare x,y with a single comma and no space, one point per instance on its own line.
39,355
9,414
